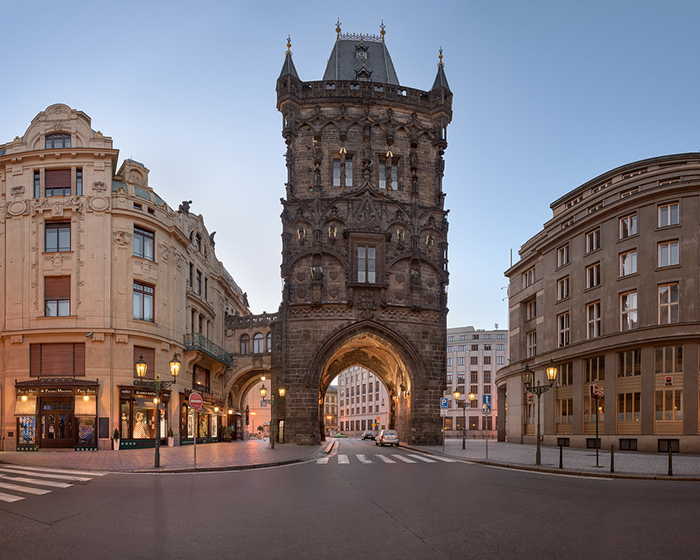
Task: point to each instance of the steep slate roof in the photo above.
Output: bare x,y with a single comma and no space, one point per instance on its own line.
440,79
288,68
346,60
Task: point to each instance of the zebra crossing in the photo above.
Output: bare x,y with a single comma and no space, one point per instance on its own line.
18,482
344,459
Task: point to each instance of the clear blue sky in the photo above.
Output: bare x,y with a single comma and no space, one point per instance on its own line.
547,95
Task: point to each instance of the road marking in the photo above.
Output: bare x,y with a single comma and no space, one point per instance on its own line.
10,498
51,483
343,460
402,458
58,471
445,459
421,458
385,459
41,475
363,459
322,461
26,489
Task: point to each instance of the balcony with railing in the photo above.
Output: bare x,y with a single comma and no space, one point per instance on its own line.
197,341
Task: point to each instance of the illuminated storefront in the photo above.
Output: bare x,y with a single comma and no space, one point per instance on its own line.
137,413
207,421
56,412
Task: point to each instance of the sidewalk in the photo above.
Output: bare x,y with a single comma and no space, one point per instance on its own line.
210,456
628,464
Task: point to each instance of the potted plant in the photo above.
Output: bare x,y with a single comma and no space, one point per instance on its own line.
226,433
115,439
171,438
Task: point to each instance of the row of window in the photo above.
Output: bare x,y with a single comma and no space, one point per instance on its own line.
258,343
387,175
474,361
360,425
488,336
361,410
473,377
457,423
58,182
668,215
475,348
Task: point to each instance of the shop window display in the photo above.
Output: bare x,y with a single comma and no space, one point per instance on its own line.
86,430
27,430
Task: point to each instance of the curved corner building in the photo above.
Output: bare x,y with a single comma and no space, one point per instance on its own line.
608,291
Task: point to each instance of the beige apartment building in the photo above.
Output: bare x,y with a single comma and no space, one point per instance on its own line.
473,357
608,292
100,273
363,401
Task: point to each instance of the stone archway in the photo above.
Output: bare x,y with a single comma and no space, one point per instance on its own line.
386,354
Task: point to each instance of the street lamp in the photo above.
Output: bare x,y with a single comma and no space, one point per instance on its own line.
271,400
463,404
158,385
538,390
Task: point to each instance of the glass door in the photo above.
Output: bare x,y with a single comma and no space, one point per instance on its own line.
56,428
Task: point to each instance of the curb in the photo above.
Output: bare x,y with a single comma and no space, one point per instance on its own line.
548,470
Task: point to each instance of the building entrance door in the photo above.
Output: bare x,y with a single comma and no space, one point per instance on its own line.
56,428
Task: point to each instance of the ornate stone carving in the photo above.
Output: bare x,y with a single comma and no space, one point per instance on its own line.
16,208
164,251
122,237
98,204
17,190
99,186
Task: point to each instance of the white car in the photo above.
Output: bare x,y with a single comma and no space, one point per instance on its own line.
388,437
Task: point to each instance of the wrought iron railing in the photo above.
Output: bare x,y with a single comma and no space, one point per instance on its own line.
197,341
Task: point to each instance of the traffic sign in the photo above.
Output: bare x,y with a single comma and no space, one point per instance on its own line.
486,409
597,391
195,401
487,400
443,402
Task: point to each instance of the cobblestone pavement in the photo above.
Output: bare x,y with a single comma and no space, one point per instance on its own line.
579,461
210,456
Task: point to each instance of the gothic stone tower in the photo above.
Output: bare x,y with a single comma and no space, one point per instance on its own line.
364,258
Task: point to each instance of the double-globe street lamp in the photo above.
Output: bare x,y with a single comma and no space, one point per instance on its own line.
463,404
158,385
271,400
538,390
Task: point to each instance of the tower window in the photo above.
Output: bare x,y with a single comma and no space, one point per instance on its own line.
388,174
367,264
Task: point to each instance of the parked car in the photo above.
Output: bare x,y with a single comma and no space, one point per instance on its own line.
340,435
388,437
368,434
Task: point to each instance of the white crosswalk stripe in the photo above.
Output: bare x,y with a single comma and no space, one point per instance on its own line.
363,459
444,459
385,459
27,478
421,458
343,460
322,461
404,459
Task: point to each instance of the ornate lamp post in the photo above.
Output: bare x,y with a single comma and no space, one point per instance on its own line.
463,404
271,400
158,385
538,390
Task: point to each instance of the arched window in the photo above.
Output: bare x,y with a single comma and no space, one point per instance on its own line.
245,344
269,342
258,344
59,140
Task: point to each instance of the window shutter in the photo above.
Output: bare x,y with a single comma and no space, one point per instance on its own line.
57,359
79,359
149,356
35,360
56,178
57,287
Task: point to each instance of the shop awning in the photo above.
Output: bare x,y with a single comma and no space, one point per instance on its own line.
26,408
207,409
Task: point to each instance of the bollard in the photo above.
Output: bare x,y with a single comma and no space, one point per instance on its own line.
612,458
561,456
670,459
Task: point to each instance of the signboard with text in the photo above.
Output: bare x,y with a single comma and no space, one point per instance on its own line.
195,401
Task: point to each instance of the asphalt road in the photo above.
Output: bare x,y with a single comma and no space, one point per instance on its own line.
355,505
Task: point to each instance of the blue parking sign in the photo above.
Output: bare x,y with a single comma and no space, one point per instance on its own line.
443,402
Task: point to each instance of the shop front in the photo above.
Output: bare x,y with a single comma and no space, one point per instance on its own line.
56,413
206,422
137,417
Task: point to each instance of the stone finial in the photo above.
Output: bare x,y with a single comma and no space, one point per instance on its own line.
441,63
289,44
337,28
383,30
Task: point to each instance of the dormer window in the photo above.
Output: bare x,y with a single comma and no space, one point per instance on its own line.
57,141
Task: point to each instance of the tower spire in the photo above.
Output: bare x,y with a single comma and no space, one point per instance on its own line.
440,80
288,68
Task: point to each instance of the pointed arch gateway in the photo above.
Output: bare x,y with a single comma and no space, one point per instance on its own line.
383,352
